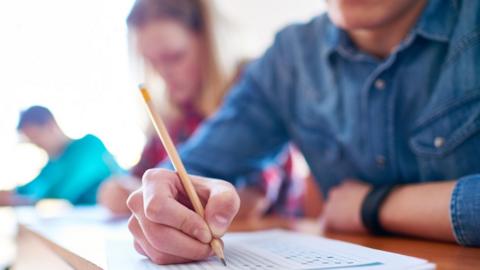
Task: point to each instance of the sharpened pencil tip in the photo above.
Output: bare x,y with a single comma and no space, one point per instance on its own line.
223,261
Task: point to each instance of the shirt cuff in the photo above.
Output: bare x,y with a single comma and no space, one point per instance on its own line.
465,210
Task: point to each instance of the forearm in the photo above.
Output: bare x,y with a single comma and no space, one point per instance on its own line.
9,198
448,211
19,200
420,210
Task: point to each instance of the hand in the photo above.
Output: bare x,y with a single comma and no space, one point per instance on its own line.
254,203
342,210
5,198
114,192
164,227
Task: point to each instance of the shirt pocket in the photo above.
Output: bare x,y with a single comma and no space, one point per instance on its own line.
446,140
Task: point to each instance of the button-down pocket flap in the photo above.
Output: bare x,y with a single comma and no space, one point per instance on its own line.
443,130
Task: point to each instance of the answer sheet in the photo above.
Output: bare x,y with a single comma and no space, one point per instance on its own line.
274,249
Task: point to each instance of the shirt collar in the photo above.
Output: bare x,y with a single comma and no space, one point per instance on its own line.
438,20
332,37
436,23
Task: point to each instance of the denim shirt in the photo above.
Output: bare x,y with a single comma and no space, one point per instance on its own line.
409,118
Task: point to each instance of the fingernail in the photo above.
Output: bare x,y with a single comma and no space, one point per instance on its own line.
219,225
202,235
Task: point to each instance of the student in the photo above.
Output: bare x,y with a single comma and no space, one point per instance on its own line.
74,170
383,100
176,40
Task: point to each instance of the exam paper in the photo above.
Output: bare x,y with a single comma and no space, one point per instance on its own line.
275,249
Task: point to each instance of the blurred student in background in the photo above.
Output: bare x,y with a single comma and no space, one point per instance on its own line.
176,40
74,170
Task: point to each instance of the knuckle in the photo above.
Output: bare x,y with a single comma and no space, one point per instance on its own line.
227,185
133,200
148,175
132,226
154,174
153,210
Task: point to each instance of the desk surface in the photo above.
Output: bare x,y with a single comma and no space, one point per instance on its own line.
444,255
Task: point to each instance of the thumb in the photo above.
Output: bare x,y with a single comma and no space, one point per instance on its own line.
222,206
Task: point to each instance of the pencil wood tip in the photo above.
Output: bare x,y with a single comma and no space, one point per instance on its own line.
223,262
145,93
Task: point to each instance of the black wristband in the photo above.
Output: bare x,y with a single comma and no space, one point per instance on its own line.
371,209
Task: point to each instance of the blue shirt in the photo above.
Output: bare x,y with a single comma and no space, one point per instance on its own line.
75,174
411,117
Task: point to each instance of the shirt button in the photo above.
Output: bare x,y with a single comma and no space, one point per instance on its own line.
379,84
380,160
438,142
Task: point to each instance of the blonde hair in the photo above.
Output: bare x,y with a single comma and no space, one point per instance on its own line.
197,16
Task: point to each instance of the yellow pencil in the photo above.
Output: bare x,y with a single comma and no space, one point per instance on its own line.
178,165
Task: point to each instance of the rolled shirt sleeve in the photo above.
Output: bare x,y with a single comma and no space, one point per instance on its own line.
465,210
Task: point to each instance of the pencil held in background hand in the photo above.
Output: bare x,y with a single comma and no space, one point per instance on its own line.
179,167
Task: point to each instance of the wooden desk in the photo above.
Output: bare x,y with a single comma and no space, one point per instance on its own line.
33,254
444,255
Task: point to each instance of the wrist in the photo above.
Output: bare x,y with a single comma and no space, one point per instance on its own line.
371,209
387,216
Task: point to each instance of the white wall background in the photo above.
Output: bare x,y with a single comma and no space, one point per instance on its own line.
71,56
